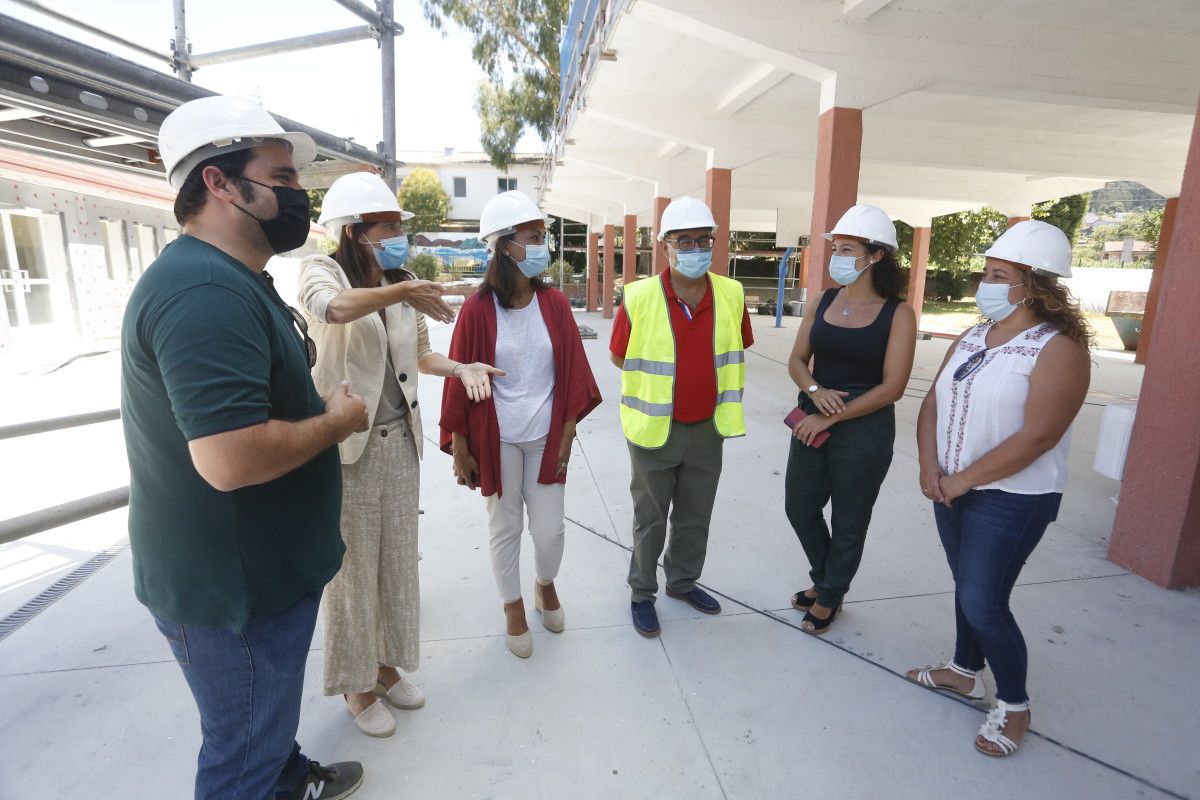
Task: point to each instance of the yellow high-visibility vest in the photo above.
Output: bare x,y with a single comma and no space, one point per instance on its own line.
648,375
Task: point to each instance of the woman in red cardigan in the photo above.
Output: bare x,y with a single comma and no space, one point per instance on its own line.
515,445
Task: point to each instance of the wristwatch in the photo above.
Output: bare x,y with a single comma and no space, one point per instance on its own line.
812,389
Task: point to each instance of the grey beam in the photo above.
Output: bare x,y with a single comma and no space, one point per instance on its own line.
310,41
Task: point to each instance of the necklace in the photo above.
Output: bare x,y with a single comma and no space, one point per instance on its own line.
846,310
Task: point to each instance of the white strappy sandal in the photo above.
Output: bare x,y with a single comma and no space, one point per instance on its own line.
997,719
924,678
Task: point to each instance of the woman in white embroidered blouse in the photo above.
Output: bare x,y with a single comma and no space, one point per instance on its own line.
992,437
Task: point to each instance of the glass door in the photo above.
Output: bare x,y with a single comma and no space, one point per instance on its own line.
24,273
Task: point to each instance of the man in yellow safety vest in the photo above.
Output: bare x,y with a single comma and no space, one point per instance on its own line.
680,341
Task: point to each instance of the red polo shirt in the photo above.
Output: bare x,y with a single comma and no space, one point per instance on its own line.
695,377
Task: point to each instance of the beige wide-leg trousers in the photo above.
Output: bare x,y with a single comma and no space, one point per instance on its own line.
372,607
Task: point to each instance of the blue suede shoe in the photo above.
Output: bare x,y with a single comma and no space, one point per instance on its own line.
645,618
698,599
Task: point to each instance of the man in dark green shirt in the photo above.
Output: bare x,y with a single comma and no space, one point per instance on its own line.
235,481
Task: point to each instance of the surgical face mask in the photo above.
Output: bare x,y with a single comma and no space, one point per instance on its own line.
844,269
391,253
693,263
288,229
537,258
992,299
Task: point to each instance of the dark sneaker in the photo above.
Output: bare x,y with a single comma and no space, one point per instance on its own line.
329,782
698,599
645,618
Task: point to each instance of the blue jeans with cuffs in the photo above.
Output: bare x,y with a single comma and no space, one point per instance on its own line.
988,534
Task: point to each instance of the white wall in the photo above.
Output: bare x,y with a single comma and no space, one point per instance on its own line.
1091,285
481,184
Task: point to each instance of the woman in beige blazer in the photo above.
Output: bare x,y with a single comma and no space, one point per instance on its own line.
367,316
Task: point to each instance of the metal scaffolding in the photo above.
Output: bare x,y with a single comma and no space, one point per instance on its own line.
62,97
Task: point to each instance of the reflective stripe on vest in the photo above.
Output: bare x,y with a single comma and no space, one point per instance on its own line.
648,373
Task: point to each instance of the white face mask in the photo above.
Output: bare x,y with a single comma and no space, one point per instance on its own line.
844,269
992,299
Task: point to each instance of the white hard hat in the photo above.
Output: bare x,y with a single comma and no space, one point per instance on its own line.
355,195
1035,244
685,213
212,126
867,222
504,212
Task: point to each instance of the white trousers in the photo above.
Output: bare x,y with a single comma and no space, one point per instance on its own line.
519,467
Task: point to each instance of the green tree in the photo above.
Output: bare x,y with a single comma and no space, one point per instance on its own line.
315,198
425,266
956,239
1065,213
423,195
516,44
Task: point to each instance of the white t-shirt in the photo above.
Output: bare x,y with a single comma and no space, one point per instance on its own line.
983,409
524,396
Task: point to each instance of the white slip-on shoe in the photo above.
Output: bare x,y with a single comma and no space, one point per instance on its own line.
521,646
553,621
376,720
404,694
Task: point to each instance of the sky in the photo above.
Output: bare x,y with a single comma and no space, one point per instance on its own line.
335,89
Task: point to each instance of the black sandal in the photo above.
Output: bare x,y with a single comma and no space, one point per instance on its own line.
801,601
819,626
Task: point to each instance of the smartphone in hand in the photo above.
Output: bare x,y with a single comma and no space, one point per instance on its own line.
792,419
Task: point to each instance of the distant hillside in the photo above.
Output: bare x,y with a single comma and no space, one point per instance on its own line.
1117,196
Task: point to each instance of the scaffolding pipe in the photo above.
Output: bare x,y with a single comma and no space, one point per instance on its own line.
109,74
361,11
58,423
92,29
324,39
387,55
56,516
179,45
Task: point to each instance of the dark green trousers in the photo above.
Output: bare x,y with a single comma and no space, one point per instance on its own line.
847,470
678,481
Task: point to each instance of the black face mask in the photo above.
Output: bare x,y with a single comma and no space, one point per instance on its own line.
289,229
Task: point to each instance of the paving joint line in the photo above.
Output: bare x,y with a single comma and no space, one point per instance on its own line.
961,701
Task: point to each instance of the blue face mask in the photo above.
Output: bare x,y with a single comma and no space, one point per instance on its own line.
391,253
992,299
537,258
844,269
693,263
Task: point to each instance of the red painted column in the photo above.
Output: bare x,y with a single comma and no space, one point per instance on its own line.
839,150
1014,220
593,271
658,260
916,272
718,183
1160,266
610,271
629,254
1157,530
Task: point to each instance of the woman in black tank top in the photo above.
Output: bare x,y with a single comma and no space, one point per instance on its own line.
860,340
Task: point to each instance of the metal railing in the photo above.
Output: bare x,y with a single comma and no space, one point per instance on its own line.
44,519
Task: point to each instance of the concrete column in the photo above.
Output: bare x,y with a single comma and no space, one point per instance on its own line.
916,272
610,271
717,183
658,260
1014,220
629,256
593,271
839,149
1160,265
1157,529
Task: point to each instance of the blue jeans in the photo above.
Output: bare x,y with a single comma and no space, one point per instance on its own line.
988,534
247,687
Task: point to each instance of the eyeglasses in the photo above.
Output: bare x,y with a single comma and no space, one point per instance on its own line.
970,365
686,243
309,345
